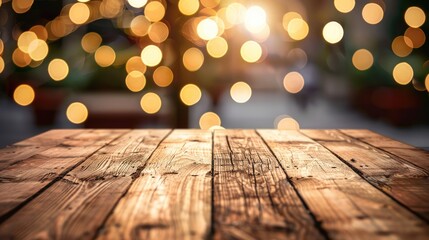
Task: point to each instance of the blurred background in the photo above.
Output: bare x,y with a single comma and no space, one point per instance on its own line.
284,64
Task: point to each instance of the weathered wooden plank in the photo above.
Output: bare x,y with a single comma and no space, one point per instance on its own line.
346,205
77,205
417,156
252,196
398,178
22,180
171,199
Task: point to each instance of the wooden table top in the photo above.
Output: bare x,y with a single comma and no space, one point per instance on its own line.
226,184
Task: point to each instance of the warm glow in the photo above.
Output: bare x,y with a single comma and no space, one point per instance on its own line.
403,73
25,39
21,6
154,11
207,29
163,76
77,113
158,32
235,13
193,59
40,31
217,47
140,25
105,56
241,92
333,32
293,82
427,82
190,94
1,46
135,64
416,35
210,3
415,17
137,3
90,42
297,29
38,50
151,55
372,13
209,120
402,46
23,95
79,13
287,123
251,51
20,58
135,81
362,59
255,19
151,103
188,7
344,6
288,17
58,69
1,64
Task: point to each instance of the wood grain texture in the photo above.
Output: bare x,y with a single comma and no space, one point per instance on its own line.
346,205
171,199
77,205
417,156
398,178
23,179
252,196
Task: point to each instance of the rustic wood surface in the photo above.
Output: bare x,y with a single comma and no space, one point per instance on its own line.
222,184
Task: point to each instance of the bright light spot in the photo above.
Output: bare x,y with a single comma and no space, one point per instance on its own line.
21,6
333,32
25,39
154,11
58,69
77,113
135,81
193,59
251,51
210,3
24,95
217,47
163,76
427,82
415,17
241,92
402,46
1,64
79,13
209,120
288,17
190,94
207,29
416,35
344,6
90,42
297,29
362,59
188,7
140,25
372,13
137,3
158,32
105,56
38,50
151,55
20,58
255,19
403,73
40,31
1,46
287,123
135,64
151,103
111,8
293,82
235,13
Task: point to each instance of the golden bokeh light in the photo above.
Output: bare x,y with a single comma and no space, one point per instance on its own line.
372,13
158,32
77,112
297,29
344,6
79,13
25,39
111,8
207,29
135,64
210,3
91,41
235,13
333,32
416,35
135,81
209,120
427,82
163,76
240,92
188,7
21,6
293,82
58,69
140,25
402,46
251,51
403,73
154,11
287,123
415,17
362,59
190,94
151,55
217,47
288,17
1,46
137,3
193,59
20,58
1,65
105,56
24,95
40,32
151,103
38,50
255,19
